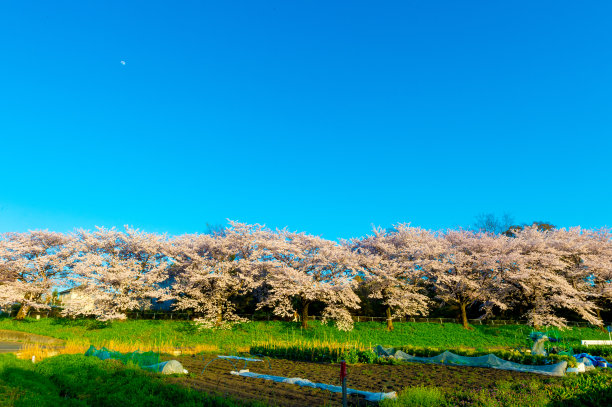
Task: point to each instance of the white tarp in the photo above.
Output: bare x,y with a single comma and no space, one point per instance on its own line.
490,360
307,383
168,367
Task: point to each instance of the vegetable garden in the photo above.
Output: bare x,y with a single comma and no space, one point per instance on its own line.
291,351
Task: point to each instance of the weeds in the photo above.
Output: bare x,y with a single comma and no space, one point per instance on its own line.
417,396
77,380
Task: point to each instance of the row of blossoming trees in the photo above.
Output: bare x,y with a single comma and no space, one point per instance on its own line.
541,276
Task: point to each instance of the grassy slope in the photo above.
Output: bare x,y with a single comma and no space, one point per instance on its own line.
180,333
591,389
76,380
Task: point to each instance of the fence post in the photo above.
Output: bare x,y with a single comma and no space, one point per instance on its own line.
343,377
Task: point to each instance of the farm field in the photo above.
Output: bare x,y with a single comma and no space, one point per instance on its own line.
369,377
416,384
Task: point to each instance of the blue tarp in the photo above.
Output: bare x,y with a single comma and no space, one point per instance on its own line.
596,361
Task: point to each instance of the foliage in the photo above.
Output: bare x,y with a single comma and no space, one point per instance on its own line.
590,389
181,334
210,269
394,263
470,270
77,380
595,350
114,272
543,275
309,352
31,265
306,269
417,397
334,352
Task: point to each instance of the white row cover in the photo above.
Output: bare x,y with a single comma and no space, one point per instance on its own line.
490,360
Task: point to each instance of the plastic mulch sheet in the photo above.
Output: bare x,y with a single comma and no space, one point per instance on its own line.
370,396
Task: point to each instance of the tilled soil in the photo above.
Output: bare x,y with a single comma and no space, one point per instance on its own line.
369,377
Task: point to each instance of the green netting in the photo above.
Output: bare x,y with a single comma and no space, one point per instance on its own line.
139,358
146,360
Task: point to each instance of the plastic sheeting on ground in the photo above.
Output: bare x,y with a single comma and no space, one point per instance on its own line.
146,360
590,360
490,360
370,396
240,358
167,367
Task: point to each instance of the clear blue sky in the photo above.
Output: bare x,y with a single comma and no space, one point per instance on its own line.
323,116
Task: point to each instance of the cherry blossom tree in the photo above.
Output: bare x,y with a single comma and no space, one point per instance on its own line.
214,269
539,273
303,269
541,281
469,270
600,263
588,257
116,271
395,262
32,264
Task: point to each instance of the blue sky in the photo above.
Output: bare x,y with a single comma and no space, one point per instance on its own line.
322,116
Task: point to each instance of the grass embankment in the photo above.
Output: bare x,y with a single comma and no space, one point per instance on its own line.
167,336
280,339
76,380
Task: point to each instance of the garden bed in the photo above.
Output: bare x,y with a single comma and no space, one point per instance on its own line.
369,377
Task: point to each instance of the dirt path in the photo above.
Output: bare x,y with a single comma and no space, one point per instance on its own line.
8,347
18,336
375,378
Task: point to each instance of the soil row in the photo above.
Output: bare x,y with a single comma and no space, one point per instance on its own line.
369,377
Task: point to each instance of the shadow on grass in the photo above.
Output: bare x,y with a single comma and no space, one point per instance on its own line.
187,327
89,324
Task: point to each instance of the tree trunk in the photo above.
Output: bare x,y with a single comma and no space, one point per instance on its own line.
464,320
23,311
305,305
389,320
219,318
602,328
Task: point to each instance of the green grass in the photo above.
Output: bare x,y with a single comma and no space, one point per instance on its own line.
417,396
76,380
590,389
70,380
181,333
